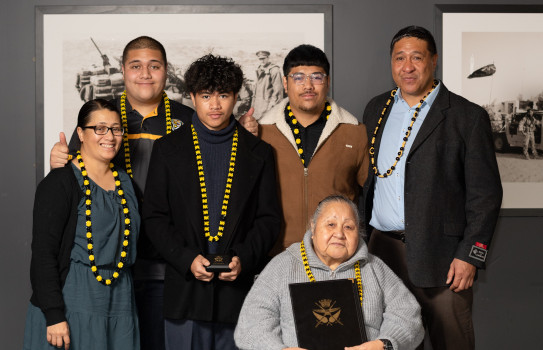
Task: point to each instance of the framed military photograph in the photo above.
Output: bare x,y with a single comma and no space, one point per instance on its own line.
79,53
491,55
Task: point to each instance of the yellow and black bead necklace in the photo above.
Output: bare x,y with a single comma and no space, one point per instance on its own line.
293,123
406,137
309,274
88,223
203,189
125,126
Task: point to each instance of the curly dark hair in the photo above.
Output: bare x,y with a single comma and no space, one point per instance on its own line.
214,73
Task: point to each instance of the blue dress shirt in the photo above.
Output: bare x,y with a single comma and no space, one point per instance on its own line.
388,200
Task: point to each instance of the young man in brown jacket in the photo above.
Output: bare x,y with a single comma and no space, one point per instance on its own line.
320,148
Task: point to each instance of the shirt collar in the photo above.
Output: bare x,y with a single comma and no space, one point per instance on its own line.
154,113
427,102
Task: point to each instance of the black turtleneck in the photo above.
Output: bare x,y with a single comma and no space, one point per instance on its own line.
216,147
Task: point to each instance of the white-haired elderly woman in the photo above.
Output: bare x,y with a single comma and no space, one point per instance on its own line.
334,249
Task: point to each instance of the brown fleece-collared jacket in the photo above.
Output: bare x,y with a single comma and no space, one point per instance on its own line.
338,166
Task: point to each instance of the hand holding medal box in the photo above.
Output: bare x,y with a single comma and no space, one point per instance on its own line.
218,263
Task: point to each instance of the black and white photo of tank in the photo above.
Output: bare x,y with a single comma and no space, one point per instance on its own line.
494,60
82,52
99,81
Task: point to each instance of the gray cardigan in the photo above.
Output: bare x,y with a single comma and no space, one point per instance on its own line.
266,321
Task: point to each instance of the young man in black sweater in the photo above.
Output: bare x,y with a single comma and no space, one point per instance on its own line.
210,197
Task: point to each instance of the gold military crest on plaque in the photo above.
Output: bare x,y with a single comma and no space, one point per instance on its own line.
326,313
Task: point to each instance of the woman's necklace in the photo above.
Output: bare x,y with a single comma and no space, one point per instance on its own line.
406,137
312,278
88,223
293,123
203,189
125,126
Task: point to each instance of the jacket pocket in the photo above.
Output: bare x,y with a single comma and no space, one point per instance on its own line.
454,229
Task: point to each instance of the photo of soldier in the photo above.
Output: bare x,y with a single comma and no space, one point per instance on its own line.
269,85
527,126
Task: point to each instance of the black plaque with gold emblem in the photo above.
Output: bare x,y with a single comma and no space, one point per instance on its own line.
327,314
218,263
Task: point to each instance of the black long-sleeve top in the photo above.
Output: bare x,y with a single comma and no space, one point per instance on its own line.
53,233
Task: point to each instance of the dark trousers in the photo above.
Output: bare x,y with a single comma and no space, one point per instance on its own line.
446,314
199,335
150,303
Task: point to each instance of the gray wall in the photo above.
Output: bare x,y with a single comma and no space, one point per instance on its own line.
508,305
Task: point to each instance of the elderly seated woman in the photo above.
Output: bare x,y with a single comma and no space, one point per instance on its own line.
333,247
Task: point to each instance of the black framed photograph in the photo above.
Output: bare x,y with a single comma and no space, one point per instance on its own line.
491,55
79,49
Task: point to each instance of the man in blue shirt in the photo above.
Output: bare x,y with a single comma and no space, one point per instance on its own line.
434,192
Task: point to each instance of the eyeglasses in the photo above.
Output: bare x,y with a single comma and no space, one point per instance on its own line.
102,129
316,78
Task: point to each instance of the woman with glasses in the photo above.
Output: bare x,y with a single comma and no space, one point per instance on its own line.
84,237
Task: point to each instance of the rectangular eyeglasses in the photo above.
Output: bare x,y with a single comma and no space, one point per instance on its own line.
102,129
316,78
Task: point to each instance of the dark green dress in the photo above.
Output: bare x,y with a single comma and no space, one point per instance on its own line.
100,317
